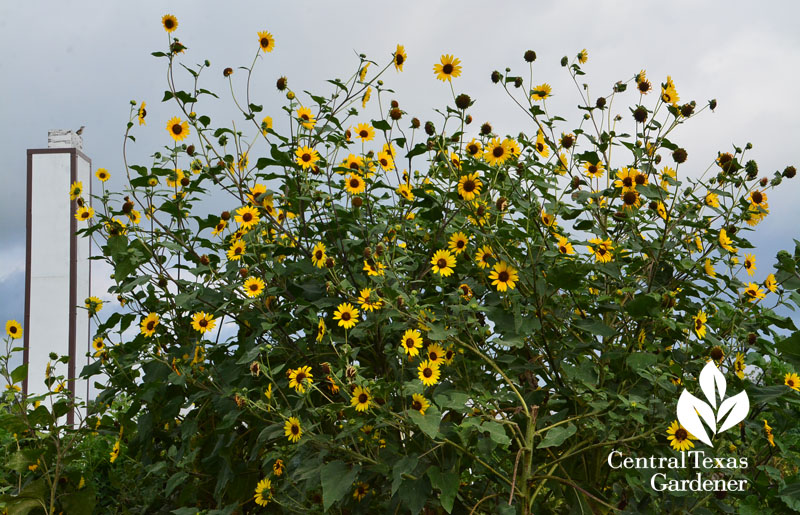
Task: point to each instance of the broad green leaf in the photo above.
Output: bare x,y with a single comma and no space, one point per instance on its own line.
337,479
556,436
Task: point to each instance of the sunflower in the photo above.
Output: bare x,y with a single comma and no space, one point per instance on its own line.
667,174
360,399
253,286
375,269
419,403
361,491
169,22
246,217
603,250
13,329
428,373
84,213
792,381
770,283
366,97
469,186
148,325
411,342
298,378
236,251
483,255
400,58
306,118
386,161
631,199
203,322
367,304
449,355
564,246
174,178
320,329
750,264
177,129
292,429
563,164
679,438
353,162
365,132
699,324
583,56
758,198
738,365
354,184
141,113
642,84
669,94
98,345
496,153
404,190
435,354
93,304
709,268
768,431
266,41
346,314
625,179
449,68
466,291
480,210
219,228
503,276
306,157
753,292
114,454
266,125
755,214
102,174
547,219
725,241
712,199
541,91
278,467
318,255
458,243
443,262
541,147
263,489
75,190
594,170
639,179
455,161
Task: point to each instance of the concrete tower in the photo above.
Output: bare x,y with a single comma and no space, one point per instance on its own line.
57,276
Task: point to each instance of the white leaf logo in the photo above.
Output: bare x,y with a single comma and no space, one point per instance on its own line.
692,411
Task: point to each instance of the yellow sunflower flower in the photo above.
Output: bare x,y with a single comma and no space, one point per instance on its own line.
400,57
148,325
346,314
448,67
496,153
709,268
203,322
474,149
102,174
631,200
367,302
603,251
318,255
299,378
375,269
564,246
541,147
253,286
169,22
443,262
246,217
768,431
306,118
625,179
750,264
354,184
114,454
236,250
483,255
306,157
419,403
428,373
365,132
13,329
712,199
177,129
84,213
404,190
770,283
469,186
360,399
411,342
699,324
263,492
458,243
266,41
320,329
679,438
594,170
292,429
361,491
386,161
434,353
541,91
725,241
278,467
503,276
583,56
792,381
753,292
75,190
738,365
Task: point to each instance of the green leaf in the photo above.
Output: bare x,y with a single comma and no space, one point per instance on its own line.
766,394
406,465
497,432
789,348
429,422
791,495
176,480
447,483
336,480
644,306
595,327
19,374
381,125
641,360
557,435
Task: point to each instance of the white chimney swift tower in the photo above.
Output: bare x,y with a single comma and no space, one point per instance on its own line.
57,272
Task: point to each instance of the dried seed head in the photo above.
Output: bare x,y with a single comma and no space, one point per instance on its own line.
679,155
486,129
226,215
415,123
358,201
529,56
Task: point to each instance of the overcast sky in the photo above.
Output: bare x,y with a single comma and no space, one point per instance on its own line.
65,64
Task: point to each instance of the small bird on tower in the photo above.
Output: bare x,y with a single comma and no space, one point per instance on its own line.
80,131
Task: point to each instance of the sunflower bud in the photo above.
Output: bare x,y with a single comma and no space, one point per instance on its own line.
227,72
379,249
576,181
600,103
486,129
430,129
415,123
712,103
529,56
687,109
190,150
290,95
751,339
281,83
789,172
468,119
358,201
226,215
185,182
751,167
518,82
716,353
350,372
204,260
463,101
395,113
162,282
640,114
127,207
564,61
679,156
243,272
501,204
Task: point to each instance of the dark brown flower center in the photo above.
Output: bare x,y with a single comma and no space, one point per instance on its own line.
238,250
442,263
247,217
681,434
640,178
254,287
409,343
629,198
757,197
472,149
264,42
363,398
460,244
416,405
644,86
295,429
469,186
168,23
354,183
346,316
13,329
318,254
447,69
300,377
304,116
498,151
306,157
602,251
203,322
540,146
448,355
698,324
399,59
592,169
363,133
177,129
150,325
627,182
427,372
502,276
562,249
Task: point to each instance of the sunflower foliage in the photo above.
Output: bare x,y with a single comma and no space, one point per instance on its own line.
364,313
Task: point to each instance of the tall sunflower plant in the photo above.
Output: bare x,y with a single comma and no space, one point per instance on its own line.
332,305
